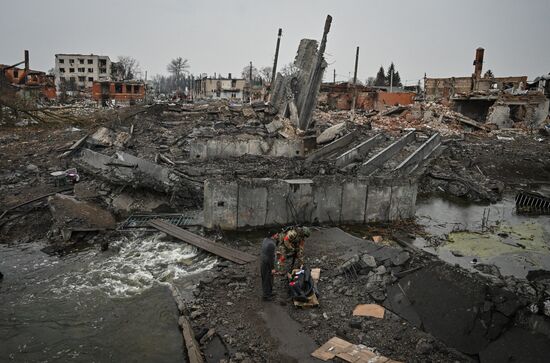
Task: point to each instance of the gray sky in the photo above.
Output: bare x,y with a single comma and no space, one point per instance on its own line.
438,37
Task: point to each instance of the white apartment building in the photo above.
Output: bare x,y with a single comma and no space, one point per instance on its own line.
81,69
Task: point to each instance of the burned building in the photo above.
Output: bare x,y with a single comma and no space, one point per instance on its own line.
339,96
78,72
220,87
26,82
502,101
123,92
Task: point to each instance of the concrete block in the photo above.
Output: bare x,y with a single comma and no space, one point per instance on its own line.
220,204
331,133
300,200
279,211
403,200
354,200
252,204
378,203
328,200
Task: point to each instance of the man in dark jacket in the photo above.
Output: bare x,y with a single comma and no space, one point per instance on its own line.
267,267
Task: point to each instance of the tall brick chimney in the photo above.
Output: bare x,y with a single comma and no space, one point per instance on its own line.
478,63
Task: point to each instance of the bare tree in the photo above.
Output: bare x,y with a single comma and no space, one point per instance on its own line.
289,69
246,73
265,73
126,68
178,67
370,81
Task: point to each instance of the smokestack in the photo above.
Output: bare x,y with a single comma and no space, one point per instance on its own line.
478,63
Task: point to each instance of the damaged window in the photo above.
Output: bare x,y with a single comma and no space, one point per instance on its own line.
102,70
81,79
71,70
62,70
90,70
136,88
71,61
118,87
81,61
90,79
90,61
61,61
82,69
15,73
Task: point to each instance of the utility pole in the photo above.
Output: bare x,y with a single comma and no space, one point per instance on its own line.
391,81
354,85
274,71
334,76
250,82
26,65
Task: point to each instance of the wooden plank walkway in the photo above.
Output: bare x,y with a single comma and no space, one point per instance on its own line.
228,253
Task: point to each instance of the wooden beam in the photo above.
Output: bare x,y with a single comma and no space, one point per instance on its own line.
228,253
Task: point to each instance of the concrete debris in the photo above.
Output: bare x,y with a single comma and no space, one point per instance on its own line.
331,133
71,215
106,138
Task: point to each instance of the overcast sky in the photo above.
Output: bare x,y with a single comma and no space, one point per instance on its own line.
434,36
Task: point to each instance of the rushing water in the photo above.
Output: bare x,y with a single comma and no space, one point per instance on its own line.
94,306
514,243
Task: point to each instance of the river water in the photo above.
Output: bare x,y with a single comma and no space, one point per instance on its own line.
465,236
94,306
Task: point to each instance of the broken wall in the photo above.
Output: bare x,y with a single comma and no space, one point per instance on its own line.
267,202
231,147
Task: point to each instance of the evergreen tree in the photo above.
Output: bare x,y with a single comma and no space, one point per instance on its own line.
380,77
396,77
397,80
391,70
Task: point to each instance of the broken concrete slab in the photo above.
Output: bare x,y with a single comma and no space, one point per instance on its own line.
232,147
71,215
358,151
458,311
414,160
387,153
125,168
331,133
106,137
274,126
332,147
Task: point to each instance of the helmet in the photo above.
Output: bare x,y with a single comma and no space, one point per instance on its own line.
306,231
292,235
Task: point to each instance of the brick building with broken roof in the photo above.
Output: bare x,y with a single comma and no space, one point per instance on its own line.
121,92
339,96
502,101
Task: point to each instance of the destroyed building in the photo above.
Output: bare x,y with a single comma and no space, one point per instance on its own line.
79,71
502,101
26,82
120,92
339,96
110,215
220,87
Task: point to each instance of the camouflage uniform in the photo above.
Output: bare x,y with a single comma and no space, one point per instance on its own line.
292,247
